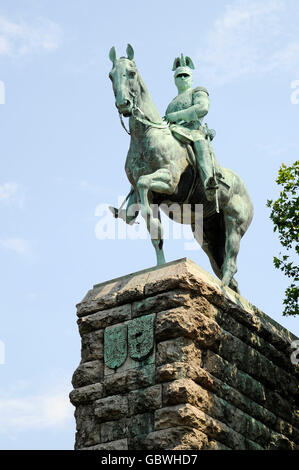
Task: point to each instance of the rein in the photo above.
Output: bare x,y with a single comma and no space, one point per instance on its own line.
143,119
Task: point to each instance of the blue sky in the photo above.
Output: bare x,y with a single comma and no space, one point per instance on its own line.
63,153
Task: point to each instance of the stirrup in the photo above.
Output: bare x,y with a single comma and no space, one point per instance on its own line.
211,184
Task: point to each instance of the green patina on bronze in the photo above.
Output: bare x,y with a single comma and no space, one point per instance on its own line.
115,346
141,337
171,160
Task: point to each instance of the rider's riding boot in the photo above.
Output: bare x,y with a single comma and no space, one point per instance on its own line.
205,167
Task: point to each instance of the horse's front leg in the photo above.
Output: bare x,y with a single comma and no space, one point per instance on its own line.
130,213
161,181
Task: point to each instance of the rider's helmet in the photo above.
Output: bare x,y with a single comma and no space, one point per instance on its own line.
182,65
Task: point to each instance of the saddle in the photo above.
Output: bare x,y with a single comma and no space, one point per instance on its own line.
187,136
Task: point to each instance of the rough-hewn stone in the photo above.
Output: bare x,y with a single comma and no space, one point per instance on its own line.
176,438
86,394
114,430
250,387
145,399
88,373
178,350
160,302
122,444
111,408
189,323
258,366
92,348
188,415
88,429
104,318
131,379
182,370
216,374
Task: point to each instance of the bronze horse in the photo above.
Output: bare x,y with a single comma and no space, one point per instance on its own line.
161,172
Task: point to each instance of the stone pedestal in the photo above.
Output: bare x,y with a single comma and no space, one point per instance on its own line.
170,360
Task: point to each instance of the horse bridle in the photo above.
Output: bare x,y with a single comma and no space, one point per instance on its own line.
143,119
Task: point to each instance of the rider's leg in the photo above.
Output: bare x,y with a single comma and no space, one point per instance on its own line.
205,166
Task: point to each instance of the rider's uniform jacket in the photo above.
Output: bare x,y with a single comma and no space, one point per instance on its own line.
187,105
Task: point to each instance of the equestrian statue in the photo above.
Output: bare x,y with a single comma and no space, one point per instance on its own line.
171,160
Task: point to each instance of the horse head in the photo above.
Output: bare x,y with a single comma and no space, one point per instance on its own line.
124,77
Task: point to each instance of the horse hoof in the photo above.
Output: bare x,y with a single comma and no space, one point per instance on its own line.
114,211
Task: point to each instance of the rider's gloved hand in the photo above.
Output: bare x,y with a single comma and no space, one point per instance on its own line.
172,117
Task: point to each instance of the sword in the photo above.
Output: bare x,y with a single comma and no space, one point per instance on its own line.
212,133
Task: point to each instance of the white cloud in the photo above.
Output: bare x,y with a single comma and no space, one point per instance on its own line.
250,38
12,193
18,245
23,37
49,410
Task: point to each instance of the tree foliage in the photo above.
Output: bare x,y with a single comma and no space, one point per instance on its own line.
285,217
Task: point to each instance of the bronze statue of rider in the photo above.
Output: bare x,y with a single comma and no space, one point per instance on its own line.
188,109
185,114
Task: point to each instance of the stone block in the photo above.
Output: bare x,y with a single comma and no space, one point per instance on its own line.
182,370
104,318
188,415
111,408
188,323
132,379
180,349
88,373
92,346
122,444
86,394
176,438
160,302
215,375
88,429
141,424
185,391
146,399
114,430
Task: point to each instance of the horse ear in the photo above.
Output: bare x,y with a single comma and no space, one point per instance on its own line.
189,63
130,52
112,55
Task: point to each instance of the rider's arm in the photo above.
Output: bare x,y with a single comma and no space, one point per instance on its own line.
197,111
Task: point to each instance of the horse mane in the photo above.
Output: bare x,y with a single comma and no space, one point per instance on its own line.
146,95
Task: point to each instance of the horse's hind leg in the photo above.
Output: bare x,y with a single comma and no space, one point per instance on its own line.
161,181
232,247
214,265
217,270
234,285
